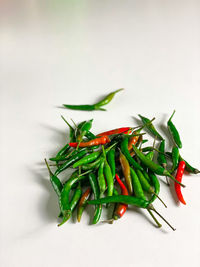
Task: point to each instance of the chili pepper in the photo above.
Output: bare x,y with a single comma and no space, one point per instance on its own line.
121,208
150,155
149,125
56,183
91,157
94,142
101,178
175,158
174,132
95,189
188,167
96,106
82,203
153,166
115,131
130,200
179,175
63,151
124,149
84,129
64,197
126,171
111,161
161,157
72,136
75,198
93,165
70,161
156,185
109,178
132,141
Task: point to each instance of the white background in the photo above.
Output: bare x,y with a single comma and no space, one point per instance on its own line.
55,52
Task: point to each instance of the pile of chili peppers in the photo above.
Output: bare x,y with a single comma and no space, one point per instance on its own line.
116,167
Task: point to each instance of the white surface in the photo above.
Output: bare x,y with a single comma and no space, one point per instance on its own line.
54,52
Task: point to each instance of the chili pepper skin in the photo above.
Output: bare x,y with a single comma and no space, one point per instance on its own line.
152,165
126,171
175,158
137,185
174,132
96,106
63,151
101,178
109,178
115,131
150,127
56,183
124,149
111,161
72,135
121,208
130,200
82,203
179,175
94,142
150,155
95,189
161,157
75,197
64,197
107,99
93,165
87,159
70,161
84,129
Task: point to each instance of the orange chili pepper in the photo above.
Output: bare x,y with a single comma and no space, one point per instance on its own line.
95,142
116,131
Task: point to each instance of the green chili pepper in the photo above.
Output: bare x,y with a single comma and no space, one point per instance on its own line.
109,178
95,189
161,157
150,155
70,161
153,166
56,183
175,158
84,129
101,178
72,135
75,197
63,151
155,184
82,203
92,165
125,151
96,106
130,200
150,127
64,197
111,160
174,132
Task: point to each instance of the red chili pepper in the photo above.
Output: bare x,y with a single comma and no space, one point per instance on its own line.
116,131
121,208
179,175
95,142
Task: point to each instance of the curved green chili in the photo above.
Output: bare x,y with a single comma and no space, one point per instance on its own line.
101,178
82,203
161,156
149,125
174,132
95,189
156,185
111,161
175,158
75,198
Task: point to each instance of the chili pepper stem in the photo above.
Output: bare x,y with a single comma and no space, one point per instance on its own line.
50,172
153,209
172,177
160,199
108,221
154,218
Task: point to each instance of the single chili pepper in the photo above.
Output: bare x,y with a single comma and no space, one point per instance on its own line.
150,155
179,175
91,157
126,171
111,161
125,151
95,189
76,196
101,178
63,151
64,197
56,183
175,158
108,175
146,176
115,131
72,135
82,203
94,142
153,166
161,157
70,161
149,125
188,167
133,140
96,106
84,129
156,185
130,200
174,132
89,134
121,208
